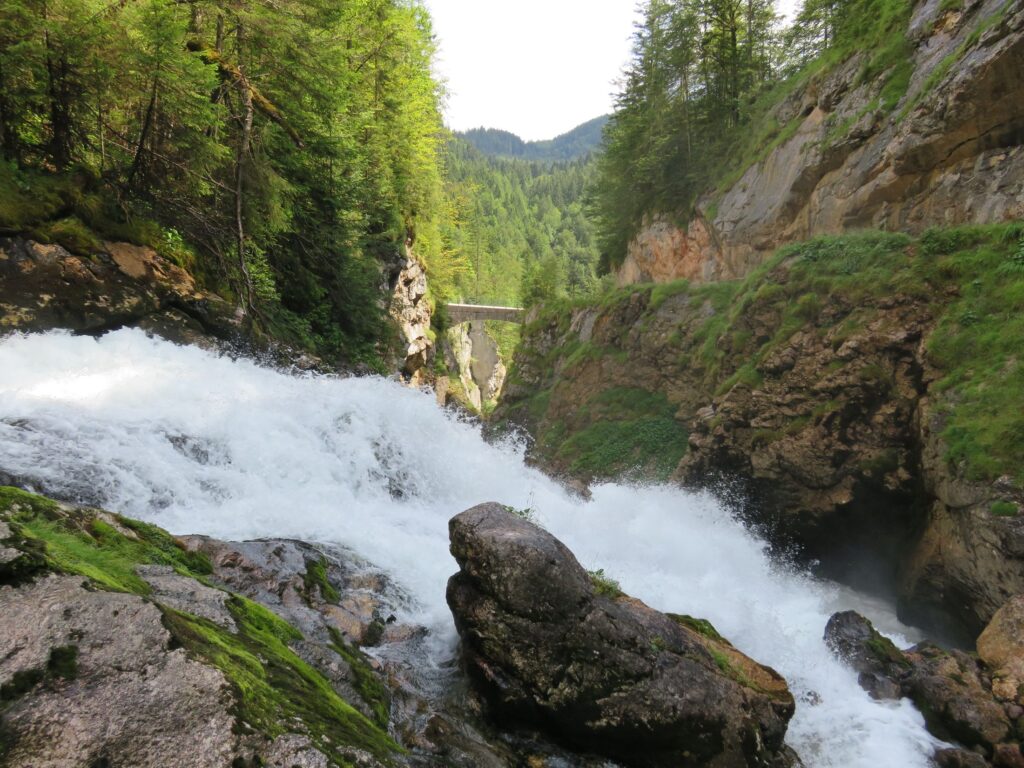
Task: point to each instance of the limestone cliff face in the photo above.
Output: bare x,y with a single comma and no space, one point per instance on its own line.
949,152
410,310
473,360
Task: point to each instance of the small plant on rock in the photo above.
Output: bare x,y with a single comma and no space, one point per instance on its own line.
605,585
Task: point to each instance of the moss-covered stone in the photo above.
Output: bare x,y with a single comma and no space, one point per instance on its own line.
315,578
274,690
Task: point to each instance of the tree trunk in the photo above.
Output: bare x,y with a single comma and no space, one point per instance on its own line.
147,123
244,141
60,109
8,131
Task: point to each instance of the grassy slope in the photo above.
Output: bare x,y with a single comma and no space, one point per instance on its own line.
273,687
973,277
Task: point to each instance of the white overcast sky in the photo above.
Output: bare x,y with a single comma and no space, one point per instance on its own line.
537,68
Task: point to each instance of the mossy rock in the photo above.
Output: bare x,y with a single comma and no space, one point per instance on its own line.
274,690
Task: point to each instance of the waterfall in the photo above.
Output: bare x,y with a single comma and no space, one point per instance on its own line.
199,443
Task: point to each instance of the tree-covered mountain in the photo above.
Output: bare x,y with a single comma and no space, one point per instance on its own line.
282,151
577,143
520,226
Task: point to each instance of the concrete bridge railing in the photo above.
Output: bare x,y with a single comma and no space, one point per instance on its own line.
462,313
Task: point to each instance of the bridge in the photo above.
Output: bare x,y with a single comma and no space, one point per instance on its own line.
463,313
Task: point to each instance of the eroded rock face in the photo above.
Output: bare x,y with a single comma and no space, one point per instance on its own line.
1001,648
473,357
958,694
45,286
605,673
410,310
950,152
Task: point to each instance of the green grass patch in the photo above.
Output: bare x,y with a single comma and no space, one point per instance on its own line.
604,585
1004,509
627,429
662,292
700,626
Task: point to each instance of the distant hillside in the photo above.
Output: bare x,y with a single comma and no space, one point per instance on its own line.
578,142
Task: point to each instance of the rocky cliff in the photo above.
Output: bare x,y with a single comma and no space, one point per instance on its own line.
937,143
862,394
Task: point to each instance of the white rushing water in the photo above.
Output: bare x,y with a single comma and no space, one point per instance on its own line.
202,444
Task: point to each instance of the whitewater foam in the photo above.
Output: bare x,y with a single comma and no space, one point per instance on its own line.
203,444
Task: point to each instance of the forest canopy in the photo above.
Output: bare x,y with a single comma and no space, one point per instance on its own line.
294,146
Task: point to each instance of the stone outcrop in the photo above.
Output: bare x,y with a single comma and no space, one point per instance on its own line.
964,699
45,286
472,358
951,151
119,646
549,648
409,307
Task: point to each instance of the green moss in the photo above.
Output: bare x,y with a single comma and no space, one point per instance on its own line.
366,682
71,233
700,626
1004,509
605,585
272,685
885,650
63,662
315,578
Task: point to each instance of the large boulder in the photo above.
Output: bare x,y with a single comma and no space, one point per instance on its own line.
958,694
550,646
1001,647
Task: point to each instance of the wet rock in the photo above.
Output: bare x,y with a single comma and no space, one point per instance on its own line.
878,661
959,758
128,699
1008,756
951,688
603,672
947,687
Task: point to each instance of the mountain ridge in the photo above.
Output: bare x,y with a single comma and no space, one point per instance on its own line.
571,145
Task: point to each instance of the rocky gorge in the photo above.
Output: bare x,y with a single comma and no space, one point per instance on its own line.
772,403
